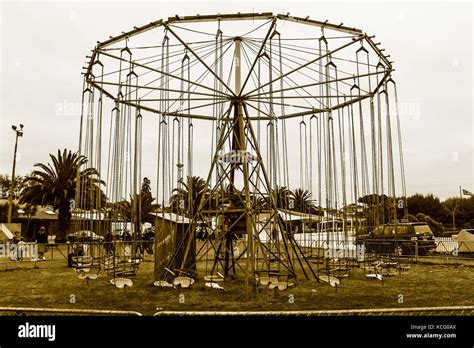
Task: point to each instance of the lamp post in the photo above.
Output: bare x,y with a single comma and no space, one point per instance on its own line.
19,133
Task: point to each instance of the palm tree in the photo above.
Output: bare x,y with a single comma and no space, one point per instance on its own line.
302,201
187,199
30,210
143,202
260,202
282,196
56,185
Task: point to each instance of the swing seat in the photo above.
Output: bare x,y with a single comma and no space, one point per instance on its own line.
213,278
333,281
374,276
163,284
280,285
273,282
121,282
184,282
213,285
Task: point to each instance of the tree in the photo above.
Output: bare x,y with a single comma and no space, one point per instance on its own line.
451,205
5,185
411,218
377,208
466,212
30,210
429,205
301,201
283,196
143,207
260,202
146,187
186,200
141,203
56,185
4,212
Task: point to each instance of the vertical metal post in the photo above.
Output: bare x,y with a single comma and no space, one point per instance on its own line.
237,42
242,148
416,251
10,198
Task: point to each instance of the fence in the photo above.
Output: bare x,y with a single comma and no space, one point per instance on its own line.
117,248
340,245
446,245
332,245
16,311
415,311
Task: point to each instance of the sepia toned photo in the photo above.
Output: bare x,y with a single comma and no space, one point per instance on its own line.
213,160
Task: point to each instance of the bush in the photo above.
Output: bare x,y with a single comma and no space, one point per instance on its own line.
4,212
411,218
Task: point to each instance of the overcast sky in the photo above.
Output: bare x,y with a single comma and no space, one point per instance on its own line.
43,47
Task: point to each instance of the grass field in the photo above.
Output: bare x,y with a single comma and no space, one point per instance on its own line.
52,283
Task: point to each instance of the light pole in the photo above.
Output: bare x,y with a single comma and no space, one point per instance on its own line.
19,133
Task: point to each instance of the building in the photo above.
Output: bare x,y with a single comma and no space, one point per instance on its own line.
172,239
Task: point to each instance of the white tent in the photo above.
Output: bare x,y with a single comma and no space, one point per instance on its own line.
465,241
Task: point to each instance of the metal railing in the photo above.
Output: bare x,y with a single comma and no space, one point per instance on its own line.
420,311
64,311
341,246
413,311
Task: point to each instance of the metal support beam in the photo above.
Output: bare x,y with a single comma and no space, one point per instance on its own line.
308,21
199,59
221,17
306,64
257,57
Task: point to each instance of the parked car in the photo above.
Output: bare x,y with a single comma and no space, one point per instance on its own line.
84,236
400,239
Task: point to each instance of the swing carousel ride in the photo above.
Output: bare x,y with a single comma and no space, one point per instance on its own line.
290,121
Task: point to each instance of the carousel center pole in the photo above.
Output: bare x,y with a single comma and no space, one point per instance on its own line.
240,149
